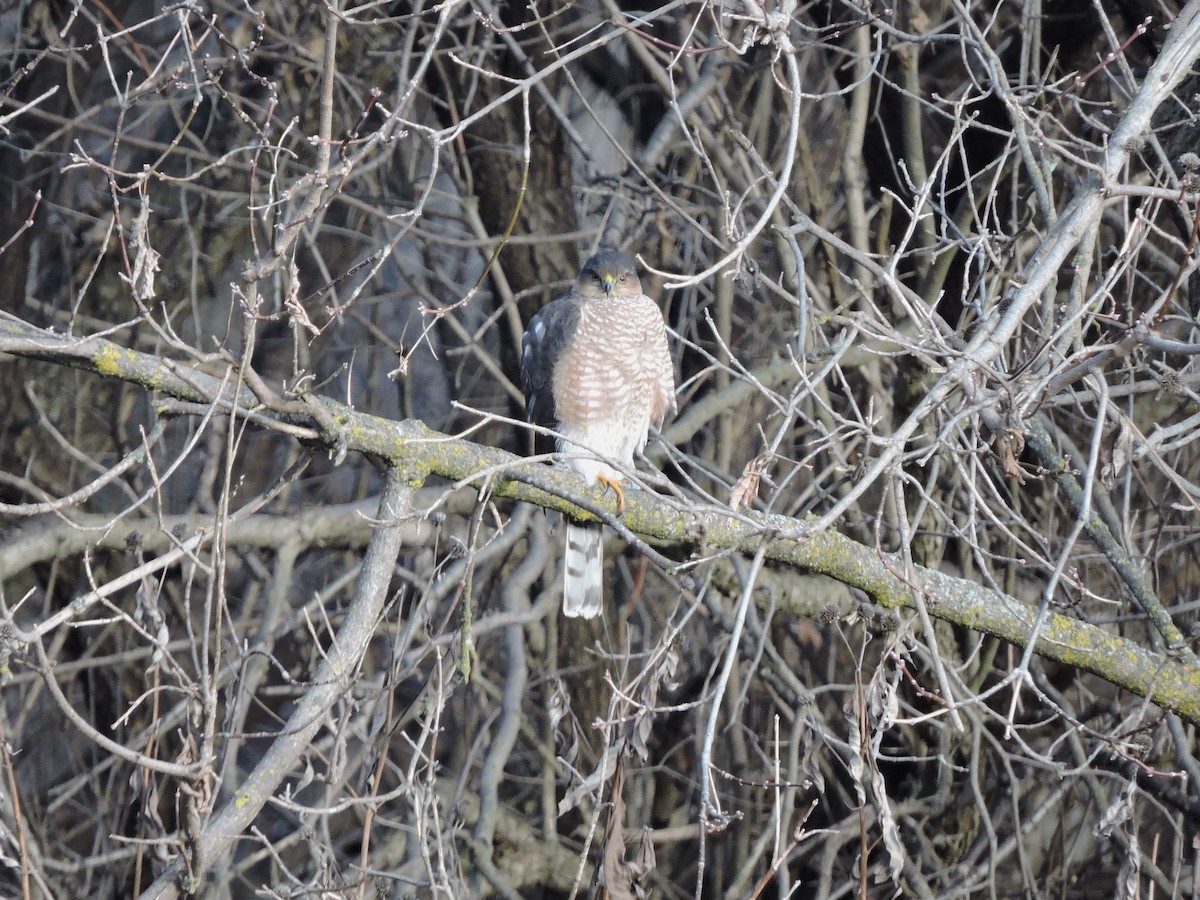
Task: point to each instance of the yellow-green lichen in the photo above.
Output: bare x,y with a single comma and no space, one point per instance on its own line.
108,360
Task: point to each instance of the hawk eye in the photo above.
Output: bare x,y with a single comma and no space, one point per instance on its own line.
624,276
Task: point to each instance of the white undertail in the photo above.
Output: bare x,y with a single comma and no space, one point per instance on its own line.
583,573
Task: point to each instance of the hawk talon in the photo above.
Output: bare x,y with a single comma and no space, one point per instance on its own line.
614,485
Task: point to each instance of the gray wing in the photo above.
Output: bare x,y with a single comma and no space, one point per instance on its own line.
550,334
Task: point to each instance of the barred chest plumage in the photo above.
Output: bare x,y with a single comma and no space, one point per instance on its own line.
614,381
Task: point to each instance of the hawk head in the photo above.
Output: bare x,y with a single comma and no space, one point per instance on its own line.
609,273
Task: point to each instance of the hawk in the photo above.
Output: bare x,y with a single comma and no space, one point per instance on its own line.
597,371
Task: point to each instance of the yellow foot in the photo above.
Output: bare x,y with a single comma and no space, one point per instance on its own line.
614,485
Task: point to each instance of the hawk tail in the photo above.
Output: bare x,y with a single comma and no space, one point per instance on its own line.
583,574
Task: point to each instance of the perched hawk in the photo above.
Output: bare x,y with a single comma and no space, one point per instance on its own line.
597,371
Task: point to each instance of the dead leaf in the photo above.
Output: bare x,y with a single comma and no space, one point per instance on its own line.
145,257
615,873
745,491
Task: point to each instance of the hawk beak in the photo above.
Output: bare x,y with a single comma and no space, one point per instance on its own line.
609,281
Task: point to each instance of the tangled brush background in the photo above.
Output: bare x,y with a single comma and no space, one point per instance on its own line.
911,607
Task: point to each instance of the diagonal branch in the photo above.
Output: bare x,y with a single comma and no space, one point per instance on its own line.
1166,681
1042,272
334,677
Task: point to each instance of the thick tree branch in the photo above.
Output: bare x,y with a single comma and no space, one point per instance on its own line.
420,451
